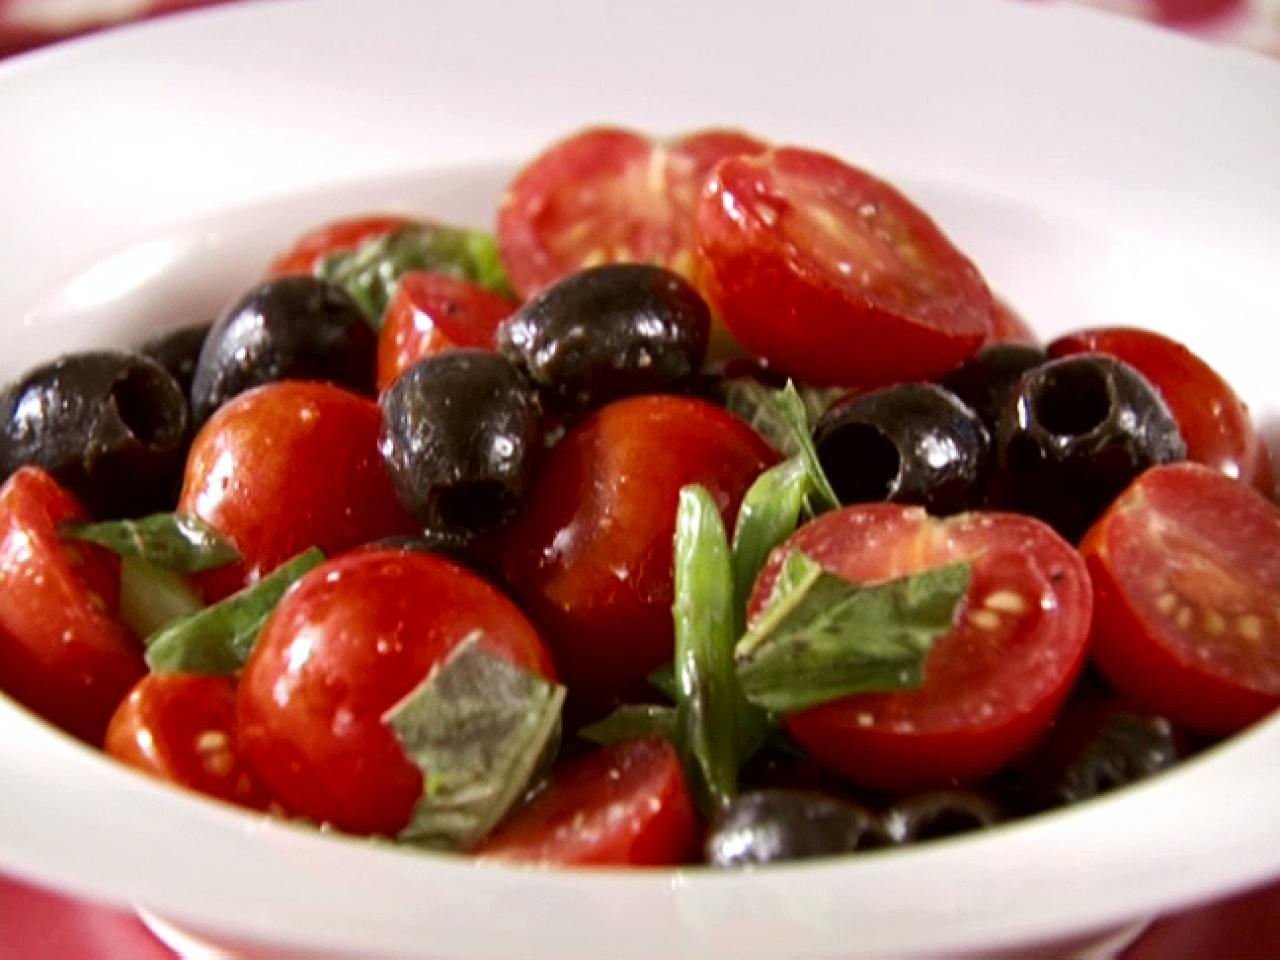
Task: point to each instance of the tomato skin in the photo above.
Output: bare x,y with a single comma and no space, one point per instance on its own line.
181,728
1213,420
624,805
606,195
832,275
1184,537
434,312
347,643
288,466
992,684
310,249
1009,326
63,654
591,555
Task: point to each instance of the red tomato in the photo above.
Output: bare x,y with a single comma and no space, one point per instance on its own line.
832,275
992,684
591,555
1008,326
1213,420
434,312
310,249
285,467
608,196
63,654
1186,572
625,805
182,728
346,644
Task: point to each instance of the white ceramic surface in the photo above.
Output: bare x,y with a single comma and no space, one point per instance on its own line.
1097,171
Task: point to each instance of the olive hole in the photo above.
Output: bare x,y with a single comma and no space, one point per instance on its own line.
947,822
140,403
862,464
1073,399
480,505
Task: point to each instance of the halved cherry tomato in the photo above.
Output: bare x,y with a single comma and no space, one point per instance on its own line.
182,728
63,654
310,249
992,684
1008,326
591,554
434,312
1186,572
625,805
346,644
608,196
832,275
1213,420
285,467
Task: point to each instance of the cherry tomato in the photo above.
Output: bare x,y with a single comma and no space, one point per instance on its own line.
591,556
63,654
346,644
310,249
832,275
608,196
1214,421
625,805
181,728
992,684
1008,326
285,467
1186,571
434,312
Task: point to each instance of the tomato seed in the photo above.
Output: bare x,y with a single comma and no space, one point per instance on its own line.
1005,601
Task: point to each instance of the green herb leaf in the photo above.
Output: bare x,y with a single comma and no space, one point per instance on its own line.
174,541
632,720
478,728
769,514
752,401
218,639
823,637
152,597
372,270
791,410
663,680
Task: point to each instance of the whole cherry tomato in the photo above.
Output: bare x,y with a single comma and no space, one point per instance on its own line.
311,249
182,728
63,653
591,555
992,683
832,275
1186,572
346,644
285,467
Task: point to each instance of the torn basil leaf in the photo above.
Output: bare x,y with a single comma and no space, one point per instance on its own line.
371,271
218,639
478,728
791,410
174,541
769,514
631,721
152,597
752,401
823,637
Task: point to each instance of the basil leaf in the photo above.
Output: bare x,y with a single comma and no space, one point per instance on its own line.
791,410
152,597
478,728
372,270
630,721
823,637
769,514
663,680
175,541
752,401
218,639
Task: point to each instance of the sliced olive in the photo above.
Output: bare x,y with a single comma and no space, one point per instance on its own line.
938,813
109,426
178,351
771,826
985,381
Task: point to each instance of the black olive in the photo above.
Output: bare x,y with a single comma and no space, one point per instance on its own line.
938,813
460,437
1074,433
109,426
292,328
770,826
609,332
178,352
985,381
910,443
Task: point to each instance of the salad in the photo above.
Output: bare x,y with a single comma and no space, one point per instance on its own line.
711,510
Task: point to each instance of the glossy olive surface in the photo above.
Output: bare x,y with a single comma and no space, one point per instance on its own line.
938,813
771,826
987,378
178,351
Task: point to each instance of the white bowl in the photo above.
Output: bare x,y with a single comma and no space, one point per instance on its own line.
1098,172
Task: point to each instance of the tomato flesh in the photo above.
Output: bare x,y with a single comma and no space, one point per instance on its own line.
608,196
625,805
1186,570
347,643
832,275
992,684
314,246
